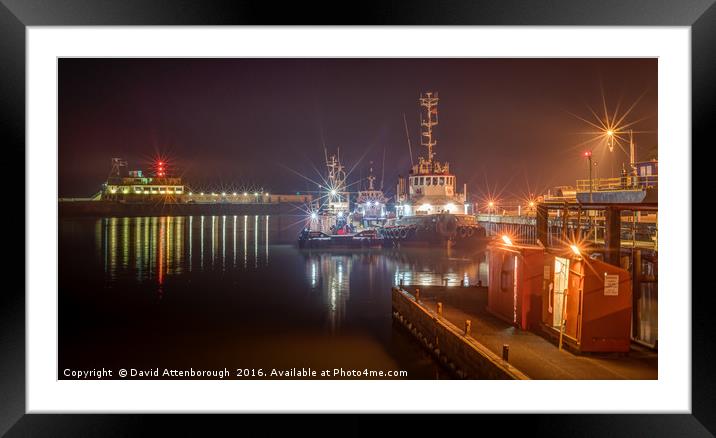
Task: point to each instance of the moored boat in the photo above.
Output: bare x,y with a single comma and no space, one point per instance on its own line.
429,207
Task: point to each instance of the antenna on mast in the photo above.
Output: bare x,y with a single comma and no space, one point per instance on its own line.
407,135
430,103
117,164
382,176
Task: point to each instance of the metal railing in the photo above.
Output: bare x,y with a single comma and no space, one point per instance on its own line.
629,182
640,235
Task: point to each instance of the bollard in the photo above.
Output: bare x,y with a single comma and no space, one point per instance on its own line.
479,283
468,327
505,352
417,294
440,309
401,283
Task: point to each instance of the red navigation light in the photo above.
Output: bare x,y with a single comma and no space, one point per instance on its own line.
588,154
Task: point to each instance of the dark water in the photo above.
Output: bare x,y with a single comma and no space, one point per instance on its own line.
218,292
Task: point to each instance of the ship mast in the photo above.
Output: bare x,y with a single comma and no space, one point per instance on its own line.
371,178
430,103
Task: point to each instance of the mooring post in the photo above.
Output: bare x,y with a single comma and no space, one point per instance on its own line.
505,352
468,327
401,282
417,294
440,309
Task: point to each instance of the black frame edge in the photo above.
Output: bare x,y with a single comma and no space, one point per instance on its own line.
700,14
12,299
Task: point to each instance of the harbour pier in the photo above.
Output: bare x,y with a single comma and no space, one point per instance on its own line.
528,355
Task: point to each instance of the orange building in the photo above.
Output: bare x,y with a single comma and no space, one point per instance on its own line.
583,302
515,284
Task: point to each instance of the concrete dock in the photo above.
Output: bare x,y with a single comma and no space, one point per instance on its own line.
530,353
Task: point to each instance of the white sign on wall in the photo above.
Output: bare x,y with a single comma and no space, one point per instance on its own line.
611,284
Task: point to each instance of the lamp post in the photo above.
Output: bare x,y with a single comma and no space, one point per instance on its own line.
490,206
588,154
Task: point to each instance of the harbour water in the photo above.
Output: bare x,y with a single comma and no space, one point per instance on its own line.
215,292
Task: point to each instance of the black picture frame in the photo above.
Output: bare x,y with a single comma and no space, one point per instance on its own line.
16,15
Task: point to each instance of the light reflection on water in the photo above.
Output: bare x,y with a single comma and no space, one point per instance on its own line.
152,249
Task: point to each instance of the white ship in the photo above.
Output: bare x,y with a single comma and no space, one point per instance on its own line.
429,207
331,209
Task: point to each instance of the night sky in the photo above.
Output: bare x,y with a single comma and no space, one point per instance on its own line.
505,124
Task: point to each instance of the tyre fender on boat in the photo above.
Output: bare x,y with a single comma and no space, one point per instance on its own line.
470,231
403,233
447,225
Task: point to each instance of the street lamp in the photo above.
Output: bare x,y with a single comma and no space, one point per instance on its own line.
490,207
588,155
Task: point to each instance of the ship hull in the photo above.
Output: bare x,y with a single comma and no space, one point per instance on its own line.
434,230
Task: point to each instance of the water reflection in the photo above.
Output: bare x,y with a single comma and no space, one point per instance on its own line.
155,248
436,268
330,275
334,274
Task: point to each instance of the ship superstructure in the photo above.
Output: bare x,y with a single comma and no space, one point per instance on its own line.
338,200
331,209
371,204
430,187
429,207
134,186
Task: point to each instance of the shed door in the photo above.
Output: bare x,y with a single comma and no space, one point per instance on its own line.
559,291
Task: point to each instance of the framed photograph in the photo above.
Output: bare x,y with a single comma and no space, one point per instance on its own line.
418,209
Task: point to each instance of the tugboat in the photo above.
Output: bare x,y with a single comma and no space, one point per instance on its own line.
329,225
429,208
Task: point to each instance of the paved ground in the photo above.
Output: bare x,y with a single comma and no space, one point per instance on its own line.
532,354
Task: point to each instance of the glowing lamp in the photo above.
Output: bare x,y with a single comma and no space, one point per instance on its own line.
588,154
506,239
314,215
575,250
333,192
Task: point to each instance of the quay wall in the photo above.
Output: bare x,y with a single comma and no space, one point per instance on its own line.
119,209
466,357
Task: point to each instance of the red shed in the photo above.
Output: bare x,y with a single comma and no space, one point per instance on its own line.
515,283
589,300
